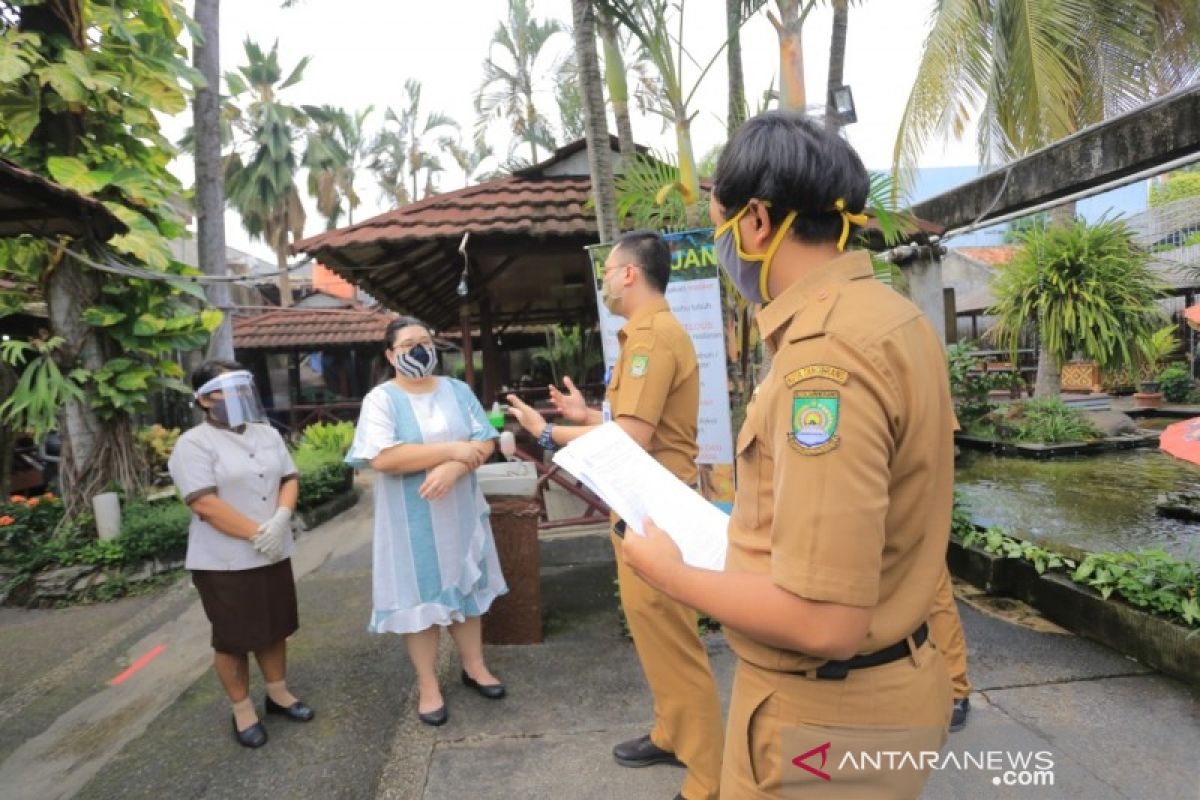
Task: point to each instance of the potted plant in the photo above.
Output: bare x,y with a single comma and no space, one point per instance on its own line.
1154,349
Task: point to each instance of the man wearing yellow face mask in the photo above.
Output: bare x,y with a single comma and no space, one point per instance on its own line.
841,515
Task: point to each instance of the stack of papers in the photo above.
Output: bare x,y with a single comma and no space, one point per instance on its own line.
637,487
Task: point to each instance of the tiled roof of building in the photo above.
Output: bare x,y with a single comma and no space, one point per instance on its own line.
285,329
31,204
997,256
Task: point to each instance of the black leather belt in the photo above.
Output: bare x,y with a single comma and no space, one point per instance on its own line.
838,670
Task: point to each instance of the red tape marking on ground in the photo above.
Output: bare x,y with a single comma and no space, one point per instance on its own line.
135,666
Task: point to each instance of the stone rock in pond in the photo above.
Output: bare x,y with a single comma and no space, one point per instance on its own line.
1111,423
1179,505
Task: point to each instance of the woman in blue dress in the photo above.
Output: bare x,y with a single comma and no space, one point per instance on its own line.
435,561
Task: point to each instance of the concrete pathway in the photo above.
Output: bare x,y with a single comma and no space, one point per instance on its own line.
1113,728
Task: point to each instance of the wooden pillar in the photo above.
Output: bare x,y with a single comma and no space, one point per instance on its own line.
293,387
468,351
950,306
974,326
487,343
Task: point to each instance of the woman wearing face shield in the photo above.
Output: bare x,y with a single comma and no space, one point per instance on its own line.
235,473
845,470
435,562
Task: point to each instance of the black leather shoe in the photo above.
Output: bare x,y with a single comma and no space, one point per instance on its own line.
958,714
298,711
254,736
642,752
436,717
492,691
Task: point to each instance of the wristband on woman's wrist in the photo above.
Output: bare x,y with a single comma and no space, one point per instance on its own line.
545,439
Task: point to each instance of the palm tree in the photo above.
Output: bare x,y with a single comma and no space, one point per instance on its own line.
510,85
406,147
336,151
615,78
1030,72
261,171
837,60
648,21
736,112
569,97
210,184
1088,289
599,152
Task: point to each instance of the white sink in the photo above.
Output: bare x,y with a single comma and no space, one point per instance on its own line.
518,478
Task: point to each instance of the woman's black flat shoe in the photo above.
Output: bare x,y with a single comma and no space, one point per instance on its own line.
254,736
435,717
492,691
298,711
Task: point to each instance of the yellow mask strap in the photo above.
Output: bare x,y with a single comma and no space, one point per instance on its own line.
766,259
847,219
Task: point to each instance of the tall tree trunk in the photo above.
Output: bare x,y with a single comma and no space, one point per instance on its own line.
595,122
788,26
737,111
210,180
837,60
689,175
618,85
1048,382
530,121
285,277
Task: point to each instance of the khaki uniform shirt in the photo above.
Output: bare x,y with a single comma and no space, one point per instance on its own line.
245,470
845,464
657,380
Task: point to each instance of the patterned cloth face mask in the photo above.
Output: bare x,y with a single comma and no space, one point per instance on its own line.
418,362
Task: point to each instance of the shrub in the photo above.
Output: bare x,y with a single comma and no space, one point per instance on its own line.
157,443
323,483
25,525
1047,421
1176,383
1176,186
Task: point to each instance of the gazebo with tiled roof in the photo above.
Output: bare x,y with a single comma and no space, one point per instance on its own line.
525,261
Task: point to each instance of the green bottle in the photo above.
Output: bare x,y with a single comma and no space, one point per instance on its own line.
496,416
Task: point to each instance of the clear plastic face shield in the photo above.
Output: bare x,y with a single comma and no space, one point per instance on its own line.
232,399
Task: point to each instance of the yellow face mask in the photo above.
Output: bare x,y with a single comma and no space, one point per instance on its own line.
744,268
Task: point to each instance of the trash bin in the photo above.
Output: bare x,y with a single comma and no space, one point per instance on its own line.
515,618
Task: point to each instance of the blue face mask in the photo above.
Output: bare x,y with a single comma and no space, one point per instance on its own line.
417,362
748,271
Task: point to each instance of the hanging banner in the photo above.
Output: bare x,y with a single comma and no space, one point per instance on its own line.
694,294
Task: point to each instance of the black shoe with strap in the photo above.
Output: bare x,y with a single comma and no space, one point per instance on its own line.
492,691
298,711
254,736
642,752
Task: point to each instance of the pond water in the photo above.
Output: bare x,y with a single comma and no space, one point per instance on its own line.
1101,502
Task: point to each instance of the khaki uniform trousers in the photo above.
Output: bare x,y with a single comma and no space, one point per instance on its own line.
945,628
687,708
775,717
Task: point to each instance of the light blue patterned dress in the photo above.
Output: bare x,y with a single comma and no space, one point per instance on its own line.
434,562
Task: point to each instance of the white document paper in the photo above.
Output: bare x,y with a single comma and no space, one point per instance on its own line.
637,487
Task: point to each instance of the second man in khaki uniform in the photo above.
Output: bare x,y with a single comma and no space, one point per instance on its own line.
654,395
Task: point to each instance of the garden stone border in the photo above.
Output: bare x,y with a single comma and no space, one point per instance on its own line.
1159,643
318,515
1026,450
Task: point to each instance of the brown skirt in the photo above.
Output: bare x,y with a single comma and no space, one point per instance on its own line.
249,608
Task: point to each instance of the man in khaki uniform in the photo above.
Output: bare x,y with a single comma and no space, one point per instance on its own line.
841,516
945,628
654,395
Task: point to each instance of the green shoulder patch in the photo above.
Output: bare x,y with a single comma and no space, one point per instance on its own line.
638,365
814,422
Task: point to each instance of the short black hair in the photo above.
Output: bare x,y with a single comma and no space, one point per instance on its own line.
399,323
211,369
648,250
796,164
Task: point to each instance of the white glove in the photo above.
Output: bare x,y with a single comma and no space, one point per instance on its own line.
272,534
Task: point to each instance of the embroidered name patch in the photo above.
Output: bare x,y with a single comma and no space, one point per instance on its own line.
638,365
835,374
814,422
